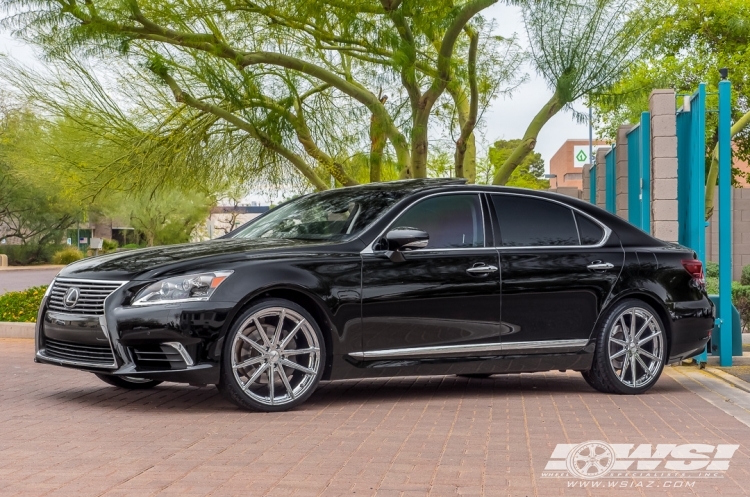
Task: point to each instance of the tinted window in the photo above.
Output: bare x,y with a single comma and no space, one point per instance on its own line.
528,222
591,233
331,215
452,221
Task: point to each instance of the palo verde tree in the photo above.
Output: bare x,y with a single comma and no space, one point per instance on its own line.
578,47
303,84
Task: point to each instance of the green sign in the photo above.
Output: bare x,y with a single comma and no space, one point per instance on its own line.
581,156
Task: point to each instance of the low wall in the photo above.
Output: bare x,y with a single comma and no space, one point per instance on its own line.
17,330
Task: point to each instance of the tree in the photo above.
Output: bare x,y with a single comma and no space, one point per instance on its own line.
578,47
304,83
527,174
691,43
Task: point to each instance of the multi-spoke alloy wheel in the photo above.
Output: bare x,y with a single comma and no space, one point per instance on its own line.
636,347
631,349
274,357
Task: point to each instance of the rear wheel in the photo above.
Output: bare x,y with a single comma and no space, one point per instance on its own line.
129,382
631,349
273,357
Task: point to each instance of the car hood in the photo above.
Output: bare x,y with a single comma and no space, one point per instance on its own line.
150,262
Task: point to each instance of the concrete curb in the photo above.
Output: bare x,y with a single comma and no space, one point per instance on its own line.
30,268
17,330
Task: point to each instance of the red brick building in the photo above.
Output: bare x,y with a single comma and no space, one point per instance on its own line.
568,161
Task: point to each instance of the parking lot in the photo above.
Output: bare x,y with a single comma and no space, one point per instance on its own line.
63,432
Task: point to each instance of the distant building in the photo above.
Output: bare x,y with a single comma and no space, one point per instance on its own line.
226,218
568,161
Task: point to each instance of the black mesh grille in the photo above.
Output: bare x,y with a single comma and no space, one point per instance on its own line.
100,355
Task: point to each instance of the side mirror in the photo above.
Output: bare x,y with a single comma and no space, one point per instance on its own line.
403,239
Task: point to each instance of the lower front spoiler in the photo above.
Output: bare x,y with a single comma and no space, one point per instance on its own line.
203,373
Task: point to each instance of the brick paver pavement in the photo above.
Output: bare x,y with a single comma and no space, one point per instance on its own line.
64,432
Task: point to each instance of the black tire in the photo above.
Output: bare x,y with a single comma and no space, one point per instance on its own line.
257,395
603,375
127,382
476,376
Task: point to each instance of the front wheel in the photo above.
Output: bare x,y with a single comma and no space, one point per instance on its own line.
631,348
273,357
129,382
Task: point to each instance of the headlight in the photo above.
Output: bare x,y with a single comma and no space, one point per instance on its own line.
182,288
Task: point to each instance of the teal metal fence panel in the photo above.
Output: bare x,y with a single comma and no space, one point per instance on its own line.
635,196
645,176
610,188
592,185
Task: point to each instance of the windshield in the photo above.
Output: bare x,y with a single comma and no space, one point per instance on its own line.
332,215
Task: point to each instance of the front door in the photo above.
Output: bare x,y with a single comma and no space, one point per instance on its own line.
443,300
558,266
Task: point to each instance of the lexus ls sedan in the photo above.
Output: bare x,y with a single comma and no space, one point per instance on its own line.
414,277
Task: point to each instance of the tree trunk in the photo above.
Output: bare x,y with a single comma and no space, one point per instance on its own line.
378,140
713,170
418,167
528,142
466,151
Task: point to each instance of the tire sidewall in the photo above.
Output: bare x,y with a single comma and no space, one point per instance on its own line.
602,346
228,383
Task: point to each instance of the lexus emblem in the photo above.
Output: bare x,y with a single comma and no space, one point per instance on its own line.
71,297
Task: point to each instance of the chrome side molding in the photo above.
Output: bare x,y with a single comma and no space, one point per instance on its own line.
181,350
556,345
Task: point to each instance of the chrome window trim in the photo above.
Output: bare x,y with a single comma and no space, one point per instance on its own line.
368,250
102,323
480,347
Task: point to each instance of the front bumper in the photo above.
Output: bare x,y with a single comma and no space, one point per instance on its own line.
178,342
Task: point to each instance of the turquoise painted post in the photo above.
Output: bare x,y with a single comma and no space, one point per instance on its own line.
634,177
697,178
610,188
725,223
592,184
645,142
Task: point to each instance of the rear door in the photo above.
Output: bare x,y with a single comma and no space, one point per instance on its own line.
558,266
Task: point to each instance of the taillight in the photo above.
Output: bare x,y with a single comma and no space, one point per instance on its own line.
695,268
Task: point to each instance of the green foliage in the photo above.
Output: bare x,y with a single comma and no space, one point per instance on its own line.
712,269
131,246
67,256
21,307
741,300
529,171
29,254
745,276
109,246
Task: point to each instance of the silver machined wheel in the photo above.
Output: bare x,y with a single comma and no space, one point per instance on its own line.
275,356
636,347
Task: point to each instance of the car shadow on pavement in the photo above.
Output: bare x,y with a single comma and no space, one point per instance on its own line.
170,397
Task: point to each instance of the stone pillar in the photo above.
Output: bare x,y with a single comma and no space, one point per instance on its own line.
601,177
586,192
664,220
621,172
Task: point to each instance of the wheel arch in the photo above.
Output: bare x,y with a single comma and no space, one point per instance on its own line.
301,297
649,298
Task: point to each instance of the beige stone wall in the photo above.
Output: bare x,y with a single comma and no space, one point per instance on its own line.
664,223
601,177
740,231
586,191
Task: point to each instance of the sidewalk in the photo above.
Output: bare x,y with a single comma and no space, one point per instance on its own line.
42,267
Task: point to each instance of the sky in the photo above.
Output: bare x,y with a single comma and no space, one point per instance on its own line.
506,118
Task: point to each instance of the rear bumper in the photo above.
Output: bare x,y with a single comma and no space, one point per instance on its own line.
692,324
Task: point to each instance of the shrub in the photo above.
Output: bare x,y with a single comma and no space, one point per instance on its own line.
131,246
67,256
109,246
712,285
31,253
712,269
21,307
745,276
741,300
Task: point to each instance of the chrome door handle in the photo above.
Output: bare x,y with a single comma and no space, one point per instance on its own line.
481,269
599,266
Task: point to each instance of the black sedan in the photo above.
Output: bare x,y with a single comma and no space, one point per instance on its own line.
415,277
